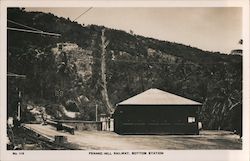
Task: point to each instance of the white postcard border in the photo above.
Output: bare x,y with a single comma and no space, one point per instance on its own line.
173,155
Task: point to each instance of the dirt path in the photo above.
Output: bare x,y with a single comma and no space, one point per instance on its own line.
112,141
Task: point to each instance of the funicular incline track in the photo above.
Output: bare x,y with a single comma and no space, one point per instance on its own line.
25,135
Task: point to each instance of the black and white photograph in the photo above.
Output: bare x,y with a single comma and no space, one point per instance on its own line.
125,79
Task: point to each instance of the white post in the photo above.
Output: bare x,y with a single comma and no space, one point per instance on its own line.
96,112
19,111
19,107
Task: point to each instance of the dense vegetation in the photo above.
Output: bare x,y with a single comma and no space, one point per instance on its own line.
71,64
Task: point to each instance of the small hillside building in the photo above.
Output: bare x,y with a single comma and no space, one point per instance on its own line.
156,112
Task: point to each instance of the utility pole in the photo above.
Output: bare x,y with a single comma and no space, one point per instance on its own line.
17,76
103,69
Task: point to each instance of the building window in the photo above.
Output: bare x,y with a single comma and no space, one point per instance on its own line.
191,119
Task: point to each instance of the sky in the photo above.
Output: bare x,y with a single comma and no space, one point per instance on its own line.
209,28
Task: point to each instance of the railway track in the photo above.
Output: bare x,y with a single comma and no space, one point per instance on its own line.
24,136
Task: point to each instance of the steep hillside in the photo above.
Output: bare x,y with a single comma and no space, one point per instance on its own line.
72,64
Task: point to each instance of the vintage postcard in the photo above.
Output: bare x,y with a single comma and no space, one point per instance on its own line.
119,80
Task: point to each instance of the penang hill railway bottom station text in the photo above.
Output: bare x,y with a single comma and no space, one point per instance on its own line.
126,153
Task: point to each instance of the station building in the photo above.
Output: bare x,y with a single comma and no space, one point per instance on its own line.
156,112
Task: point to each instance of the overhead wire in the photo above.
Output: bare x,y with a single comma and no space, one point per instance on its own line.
32,31
17,23
16,75
83,13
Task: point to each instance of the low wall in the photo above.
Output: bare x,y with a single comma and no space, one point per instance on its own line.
82,125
